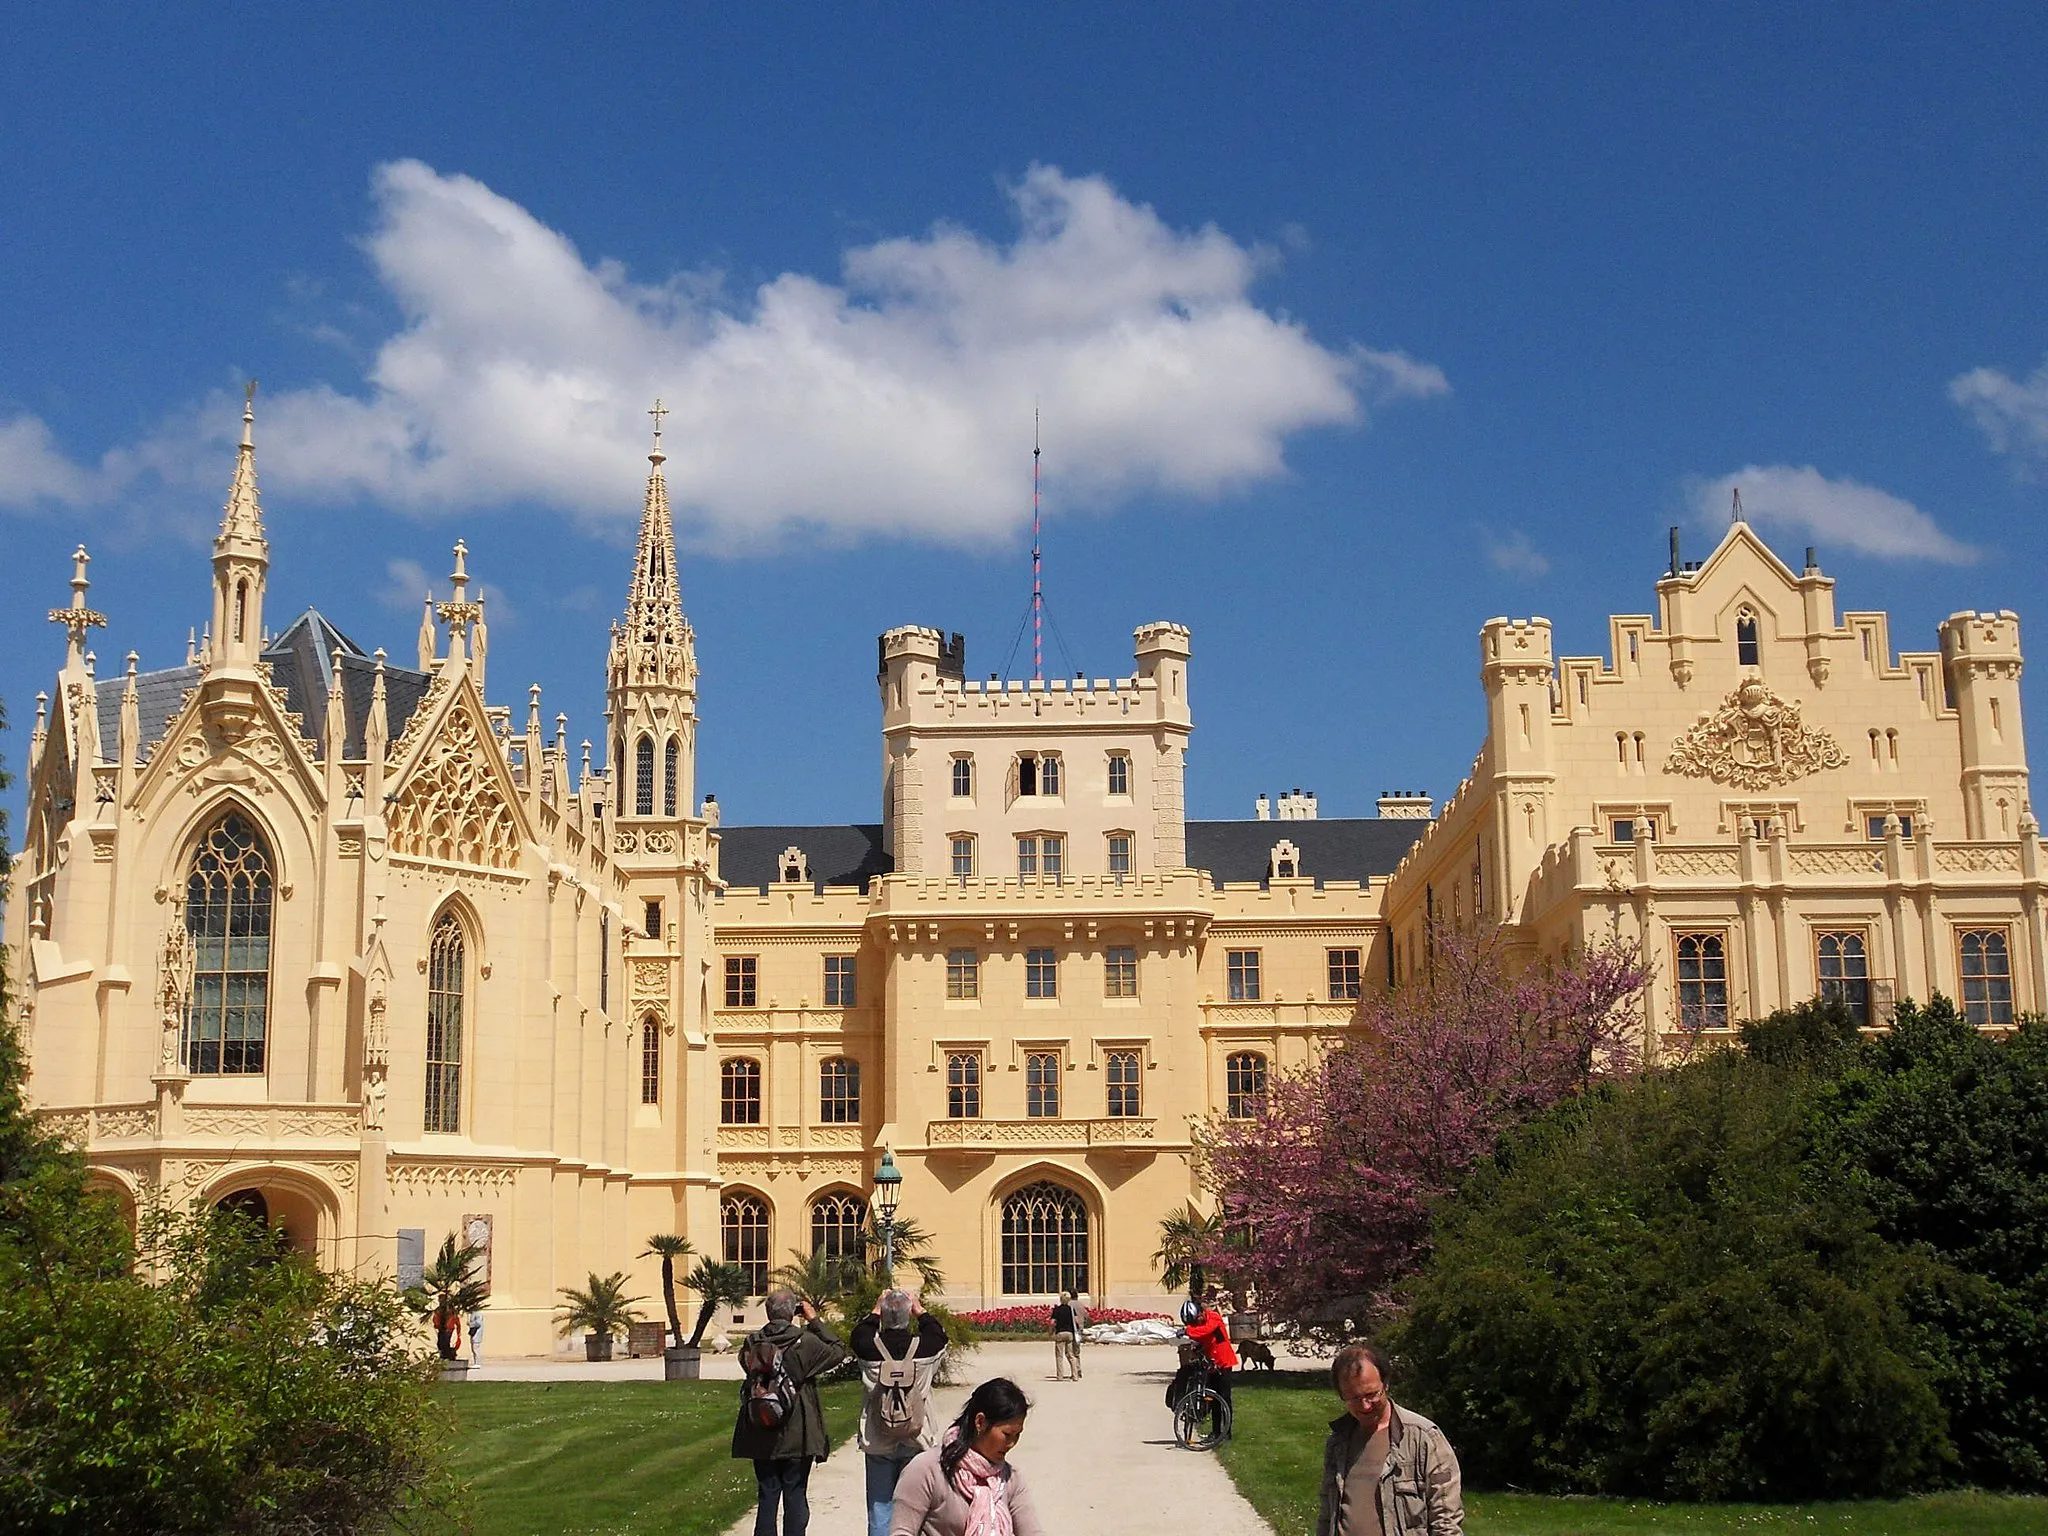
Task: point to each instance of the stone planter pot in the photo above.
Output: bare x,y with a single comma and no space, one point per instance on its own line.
454,1370
1246,1325
597,1346
681,1363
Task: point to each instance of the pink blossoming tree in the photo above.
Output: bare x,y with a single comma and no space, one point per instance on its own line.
1328,1185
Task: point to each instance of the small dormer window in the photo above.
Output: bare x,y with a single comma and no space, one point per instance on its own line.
1746,650
1284,862
792,868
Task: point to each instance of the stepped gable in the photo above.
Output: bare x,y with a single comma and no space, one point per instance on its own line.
1331,849
838,856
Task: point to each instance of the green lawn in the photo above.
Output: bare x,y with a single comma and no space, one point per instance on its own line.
1276,1459
613,1457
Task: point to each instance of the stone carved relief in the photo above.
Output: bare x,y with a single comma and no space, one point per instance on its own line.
625,842
316,1122
463,1177
1991,859
650,976
228,1122
69,1125
1837,861
174,985
452,808
659,842
1755,740
126,1123
1699,863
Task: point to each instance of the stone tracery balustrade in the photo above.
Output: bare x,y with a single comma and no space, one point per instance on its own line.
241,1122
1113,1131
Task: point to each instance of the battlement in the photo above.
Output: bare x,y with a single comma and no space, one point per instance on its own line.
1968,636
1173,639
914,642
1514,642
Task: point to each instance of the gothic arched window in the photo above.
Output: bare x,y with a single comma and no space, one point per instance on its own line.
643,777
838,1223
1746,649
743,1237
650,1060
228,899
446,979
1045,1241
671,758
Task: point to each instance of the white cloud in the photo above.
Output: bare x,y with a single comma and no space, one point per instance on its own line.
898,400
1843,513
406,585
33,470
2011,413
1513,554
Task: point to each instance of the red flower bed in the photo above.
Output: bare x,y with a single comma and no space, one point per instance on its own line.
1039,1319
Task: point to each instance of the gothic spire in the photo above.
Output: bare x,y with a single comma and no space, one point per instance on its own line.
242,516
654,644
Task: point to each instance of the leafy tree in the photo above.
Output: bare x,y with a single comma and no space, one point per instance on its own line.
1331,1179
718,1283
447,1292
242,1391
1943,1129
1656,1291
670,1247
602,1307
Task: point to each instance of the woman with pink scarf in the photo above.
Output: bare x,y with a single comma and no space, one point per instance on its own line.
965,1485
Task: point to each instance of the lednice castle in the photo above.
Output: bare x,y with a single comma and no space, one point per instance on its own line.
308,930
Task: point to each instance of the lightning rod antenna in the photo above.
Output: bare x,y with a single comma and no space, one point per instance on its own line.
1037,566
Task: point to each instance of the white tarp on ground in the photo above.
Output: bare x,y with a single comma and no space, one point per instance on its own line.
1145,1330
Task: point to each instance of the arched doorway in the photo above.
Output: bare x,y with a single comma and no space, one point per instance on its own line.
1045,1241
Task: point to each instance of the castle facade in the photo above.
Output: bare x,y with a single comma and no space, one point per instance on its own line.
303,929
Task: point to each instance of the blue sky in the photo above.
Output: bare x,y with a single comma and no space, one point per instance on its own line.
1349,330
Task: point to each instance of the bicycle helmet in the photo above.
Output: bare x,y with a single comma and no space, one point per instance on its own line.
1190,1313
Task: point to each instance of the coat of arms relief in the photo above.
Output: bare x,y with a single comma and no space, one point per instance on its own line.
1755,740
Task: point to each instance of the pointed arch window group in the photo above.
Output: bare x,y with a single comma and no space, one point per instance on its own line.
671,776
447,958
230,891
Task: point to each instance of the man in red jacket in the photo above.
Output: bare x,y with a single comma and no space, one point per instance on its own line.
1207,1330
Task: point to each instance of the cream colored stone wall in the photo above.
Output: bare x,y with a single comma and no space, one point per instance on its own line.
1759,778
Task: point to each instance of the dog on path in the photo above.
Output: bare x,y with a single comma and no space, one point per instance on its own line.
1253,1353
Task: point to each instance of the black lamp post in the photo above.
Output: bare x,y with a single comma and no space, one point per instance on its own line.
888,1189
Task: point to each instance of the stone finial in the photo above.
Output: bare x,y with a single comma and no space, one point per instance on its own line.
77,618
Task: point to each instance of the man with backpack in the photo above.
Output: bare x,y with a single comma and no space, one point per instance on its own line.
781,1426
897,1366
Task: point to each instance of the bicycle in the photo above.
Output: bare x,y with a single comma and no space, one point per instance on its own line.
1201,1418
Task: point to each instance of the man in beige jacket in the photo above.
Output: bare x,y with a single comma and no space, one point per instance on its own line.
1386,1471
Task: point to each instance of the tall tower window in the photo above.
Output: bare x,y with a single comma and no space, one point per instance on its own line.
671,757
1746,648
228,898
604,960
1119,773
643,777
650,1060
1124,1092
445,978
963,778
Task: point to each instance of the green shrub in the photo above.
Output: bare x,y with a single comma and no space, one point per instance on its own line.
1656,1292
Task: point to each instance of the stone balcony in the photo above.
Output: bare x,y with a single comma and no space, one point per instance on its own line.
1128,1132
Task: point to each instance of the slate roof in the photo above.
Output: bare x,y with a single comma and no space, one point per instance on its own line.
1335,849
1357,849
836,855
302,664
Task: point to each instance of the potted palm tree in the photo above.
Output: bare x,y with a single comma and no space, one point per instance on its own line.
720,1284
679,1361
598,1312
445,1295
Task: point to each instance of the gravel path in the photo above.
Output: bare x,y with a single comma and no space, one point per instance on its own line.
1098,1453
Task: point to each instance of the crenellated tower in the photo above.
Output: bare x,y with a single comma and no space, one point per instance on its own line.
651,676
